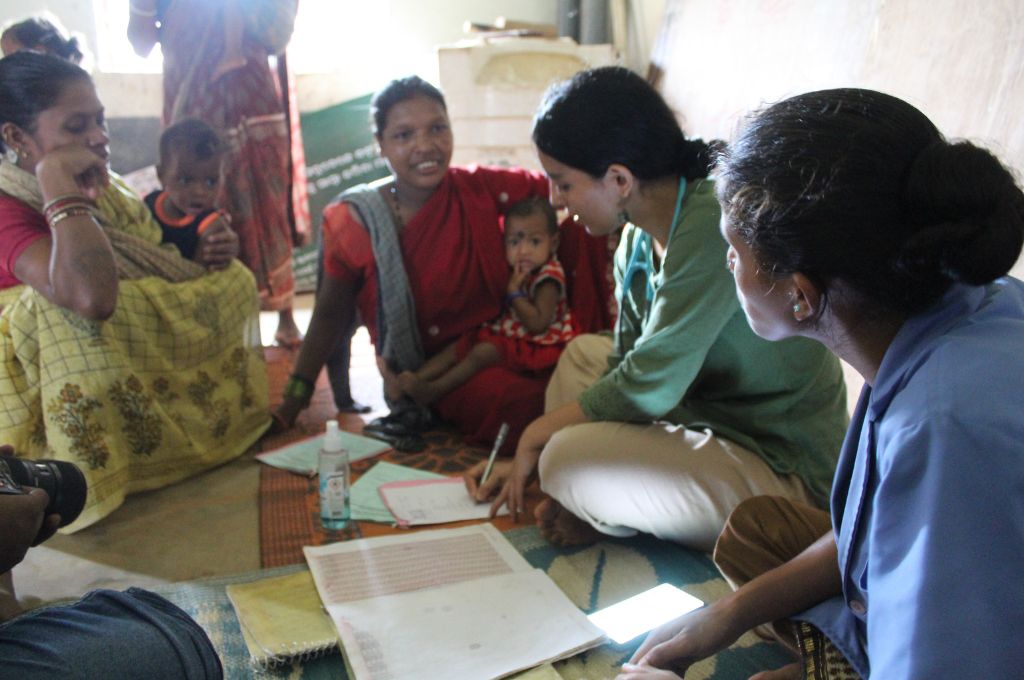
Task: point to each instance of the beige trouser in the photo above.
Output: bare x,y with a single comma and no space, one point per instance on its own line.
764,533
658,478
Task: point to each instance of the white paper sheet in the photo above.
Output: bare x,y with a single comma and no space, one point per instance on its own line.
385,565
433,501
458,604
485,628
366,501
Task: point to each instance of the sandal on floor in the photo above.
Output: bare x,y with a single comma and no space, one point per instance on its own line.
353,406
407,443
277,425
402,428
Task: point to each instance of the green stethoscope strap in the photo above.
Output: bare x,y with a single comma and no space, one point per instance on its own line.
642,257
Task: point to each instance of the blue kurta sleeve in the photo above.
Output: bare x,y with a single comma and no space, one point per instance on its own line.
946,543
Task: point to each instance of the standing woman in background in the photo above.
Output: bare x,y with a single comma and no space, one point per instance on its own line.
216,69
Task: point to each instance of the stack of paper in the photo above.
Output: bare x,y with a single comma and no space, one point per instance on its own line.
282,619
452,603
365,498
301,456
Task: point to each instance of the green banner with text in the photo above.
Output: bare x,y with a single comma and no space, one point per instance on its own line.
340,153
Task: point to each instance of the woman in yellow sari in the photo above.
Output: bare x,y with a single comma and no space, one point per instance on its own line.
116,354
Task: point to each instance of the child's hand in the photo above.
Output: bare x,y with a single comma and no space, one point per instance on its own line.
218,245
518,278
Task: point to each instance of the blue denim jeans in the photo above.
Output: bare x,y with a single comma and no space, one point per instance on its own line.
110,635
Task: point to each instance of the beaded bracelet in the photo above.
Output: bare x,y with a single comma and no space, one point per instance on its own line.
514,296
298,388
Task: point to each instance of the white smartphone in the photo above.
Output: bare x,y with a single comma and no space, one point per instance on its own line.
636,615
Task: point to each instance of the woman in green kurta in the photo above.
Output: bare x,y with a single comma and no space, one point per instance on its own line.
666,427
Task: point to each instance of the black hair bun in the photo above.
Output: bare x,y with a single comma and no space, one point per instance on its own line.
966,214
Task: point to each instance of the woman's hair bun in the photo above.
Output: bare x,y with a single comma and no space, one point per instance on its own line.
965,214
697,157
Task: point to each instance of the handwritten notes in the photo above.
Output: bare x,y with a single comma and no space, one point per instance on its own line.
433,501
366,501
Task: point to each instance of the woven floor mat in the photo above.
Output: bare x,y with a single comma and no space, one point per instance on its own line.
289,505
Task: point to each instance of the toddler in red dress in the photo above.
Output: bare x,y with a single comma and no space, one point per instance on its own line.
536,322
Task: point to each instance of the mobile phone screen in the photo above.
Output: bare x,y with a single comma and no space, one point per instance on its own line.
638,614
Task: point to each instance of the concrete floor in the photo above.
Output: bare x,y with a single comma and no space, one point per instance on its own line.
204,526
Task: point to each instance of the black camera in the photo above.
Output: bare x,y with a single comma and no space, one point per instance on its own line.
62,481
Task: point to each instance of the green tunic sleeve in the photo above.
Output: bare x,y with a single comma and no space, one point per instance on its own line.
688,357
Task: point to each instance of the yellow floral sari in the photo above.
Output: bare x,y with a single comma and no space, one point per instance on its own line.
172,384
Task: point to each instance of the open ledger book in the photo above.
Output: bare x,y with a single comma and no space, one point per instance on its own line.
459,604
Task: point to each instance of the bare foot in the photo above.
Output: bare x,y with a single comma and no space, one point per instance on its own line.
561,528
794,671
421,391
287,334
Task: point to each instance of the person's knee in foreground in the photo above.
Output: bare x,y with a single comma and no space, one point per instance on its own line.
691,412
106,634
896,259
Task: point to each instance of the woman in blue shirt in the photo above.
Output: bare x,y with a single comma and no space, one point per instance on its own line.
851,220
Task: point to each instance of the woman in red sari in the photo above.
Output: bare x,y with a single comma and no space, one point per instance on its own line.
216,69
420,255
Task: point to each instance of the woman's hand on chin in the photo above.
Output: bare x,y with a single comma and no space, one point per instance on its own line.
72,169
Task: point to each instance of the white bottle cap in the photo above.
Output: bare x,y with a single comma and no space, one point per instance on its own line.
332,440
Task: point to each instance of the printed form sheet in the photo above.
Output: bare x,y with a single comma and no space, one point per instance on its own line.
451,603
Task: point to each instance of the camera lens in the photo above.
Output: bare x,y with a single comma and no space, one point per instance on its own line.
62,481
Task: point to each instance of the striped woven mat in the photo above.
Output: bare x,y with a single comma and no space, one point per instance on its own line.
289,505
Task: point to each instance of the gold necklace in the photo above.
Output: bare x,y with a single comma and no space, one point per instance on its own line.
399,222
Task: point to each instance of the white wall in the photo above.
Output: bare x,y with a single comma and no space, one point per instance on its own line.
409,31
962,64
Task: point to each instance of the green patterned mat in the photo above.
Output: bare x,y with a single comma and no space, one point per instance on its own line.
592,577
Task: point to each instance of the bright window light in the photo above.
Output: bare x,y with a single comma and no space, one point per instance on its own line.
114,54
330,35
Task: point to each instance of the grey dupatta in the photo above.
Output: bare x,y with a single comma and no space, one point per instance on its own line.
399,338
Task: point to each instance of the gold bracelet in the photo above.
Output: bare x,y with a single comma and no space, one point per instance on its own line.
69,212
69,198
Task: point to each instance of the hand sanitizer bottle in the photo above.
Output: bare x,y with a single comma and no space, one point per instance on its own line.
334,480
